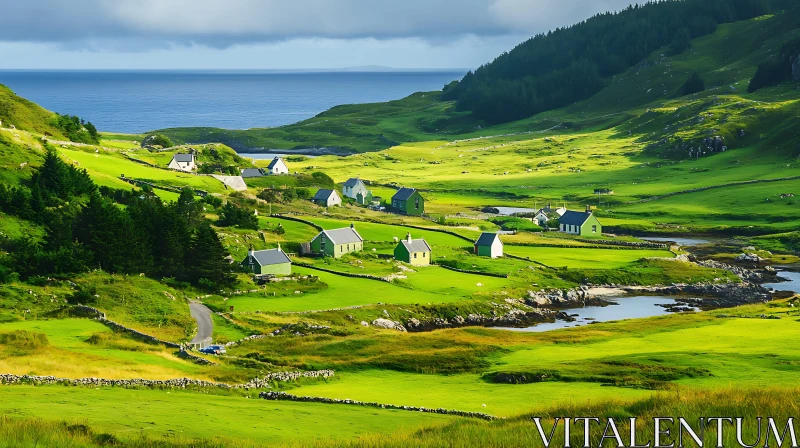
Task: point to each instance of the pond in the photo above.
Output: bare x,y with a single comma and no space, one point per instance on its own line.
272,155
792,285
627,308
508,211
680,241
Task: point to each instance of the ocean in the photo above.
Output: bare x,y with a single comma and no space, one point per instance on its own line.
140,101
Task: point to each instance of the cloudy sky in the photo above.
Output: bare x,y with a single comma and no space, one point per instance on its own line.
274,34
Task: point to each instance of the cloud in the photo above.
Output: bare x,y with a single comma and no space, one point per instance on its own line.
127,25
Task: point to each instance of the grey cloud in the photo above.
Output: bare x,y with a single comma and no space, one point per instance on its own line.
130,24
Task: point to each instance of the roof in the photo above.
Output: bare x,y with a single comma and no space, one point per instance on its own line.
352,182
419,245
271,256
323,195
252,172
574,218
404,194
345,235
487,239
275,162
183,157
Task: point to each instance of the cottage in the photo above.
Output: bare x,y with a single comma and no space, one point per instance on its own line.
545,214
183,162
267,262
353,187
277,166
408,201
414,252
489,245
580,223
337,242
327,198
248,173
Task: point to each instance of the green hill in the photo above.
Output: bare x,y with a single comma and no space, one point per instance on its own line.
26,115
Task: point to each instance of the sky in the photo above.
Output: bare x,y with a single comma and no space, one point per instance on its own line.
275,34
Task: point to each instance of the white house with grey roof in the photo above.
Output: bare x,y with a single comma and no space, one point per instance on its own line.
415,252
327,198
267,262
337,242
277,166
249,173
357,190
183,162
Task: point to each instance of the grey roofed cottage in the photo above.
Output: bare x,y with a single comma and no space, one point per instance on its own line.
419,245
337,242
343,236
416,252
184,157
270,261
352,182
404,194
252,172
327,198
580,223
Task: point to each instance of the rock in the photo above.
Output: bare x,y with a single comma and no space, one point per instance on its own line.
749,258
364,324
388,324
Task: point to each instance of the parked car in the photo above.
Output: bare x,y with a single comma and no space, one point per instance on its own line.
213,350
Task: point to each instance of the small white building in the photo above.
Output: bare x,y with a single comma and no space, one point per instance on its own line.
353,187
183,162
277,166
327,198
489,245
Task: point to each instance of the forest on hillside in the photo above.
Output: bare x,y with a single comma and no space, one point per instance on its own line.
570,64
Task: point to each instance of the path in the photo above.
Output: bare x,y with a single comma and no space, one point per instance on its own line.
205,327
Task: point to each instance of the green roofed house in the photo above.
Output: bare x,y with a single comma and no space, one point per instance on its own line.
337,242
414,252
267,262
580,223
408,201
489,245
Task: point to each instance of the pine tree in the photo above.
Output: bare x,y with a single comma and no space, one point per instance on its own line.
205,262
694,84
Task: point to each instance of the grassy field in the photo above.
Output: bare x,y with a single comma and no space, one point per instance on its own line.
582,257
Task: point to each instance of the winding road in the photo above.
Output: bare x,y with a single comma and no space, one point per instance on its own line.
205,326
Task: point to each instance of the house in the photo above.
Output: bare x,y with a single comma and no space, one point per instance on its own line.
267,262
327,198
414,252
252,172
489,245
544,214
277,166
337,242
183,162
353,187
580,223
408,201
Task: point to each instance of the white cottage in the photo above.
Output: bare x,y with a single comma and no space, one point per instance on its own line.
277,166
353,187
489,245
183,162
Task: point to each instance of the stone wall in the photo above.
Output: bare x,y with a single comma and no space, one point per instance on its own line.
487,274
289,397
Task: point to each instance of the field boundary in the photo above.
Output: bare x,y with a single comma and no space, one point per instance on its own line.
344,274
711,187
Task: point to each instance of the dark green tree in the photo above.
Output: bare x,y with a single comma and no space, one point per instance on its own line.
694,84
206,261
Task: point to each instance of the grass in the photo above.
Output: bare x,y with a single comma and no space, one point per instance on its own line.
585,258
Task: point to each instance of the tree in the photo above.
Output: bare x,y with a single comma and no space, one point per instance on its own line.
206,259
233,215
694,84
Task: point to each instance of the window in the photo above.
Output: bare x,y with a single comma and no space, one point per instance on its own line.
348,248
416,203
423,255
415,255
594,229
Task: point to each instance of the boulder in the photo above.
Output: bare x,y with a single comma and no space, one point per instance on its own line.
388,324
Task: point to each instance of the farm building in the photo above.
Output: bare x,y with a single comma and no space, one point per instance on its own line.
337,242
415,252
183,162
267,262
277,166
408,201
248,173
489,245
580,223
327,198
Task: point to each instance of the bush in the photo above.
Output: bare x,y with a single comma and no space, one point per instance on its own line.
513,223
694,84
157,140
24,339
83,296
233,215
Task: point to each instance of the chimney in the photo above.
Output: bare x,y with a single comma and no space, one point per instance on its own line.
352,225
251,252
588,209
279,247
408,237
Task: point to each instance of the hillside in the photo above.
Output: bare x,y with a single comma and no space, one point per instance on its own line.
26,115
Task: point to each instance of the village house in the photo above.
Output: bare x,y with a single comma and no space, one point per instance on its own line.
248,173
183,162
408,201
337,242
489,245
267,262
580,223
353,187
327,198
545,214
277,166
414,252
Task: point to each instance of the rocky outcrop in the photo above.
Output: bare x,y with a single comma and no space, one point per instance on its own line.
512,318
558,297
289,397
708,296
746,275
388,324
749,258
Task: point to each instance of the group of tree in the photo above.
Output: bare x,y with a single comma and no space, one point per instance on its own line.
234,215
86,229
778,68
560,67
76,129
284,195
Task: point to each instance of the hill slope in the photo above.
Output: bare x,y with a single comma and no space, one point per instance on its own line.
26,115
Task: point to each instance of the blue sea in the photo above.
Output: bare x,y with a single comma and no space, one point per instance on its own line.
139,101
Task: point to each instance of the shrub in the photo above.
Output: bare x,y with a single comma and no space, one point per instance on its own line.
694,84
24,339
